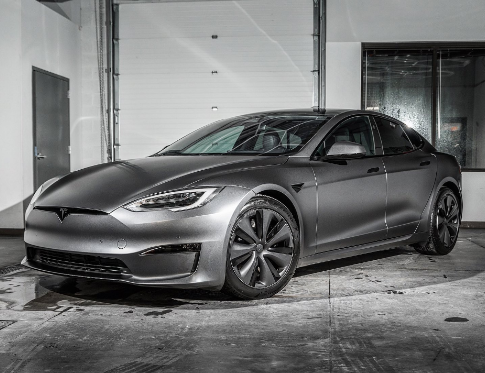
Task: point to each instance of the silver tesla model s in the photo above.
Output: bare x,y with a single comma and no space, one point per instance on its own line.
239,204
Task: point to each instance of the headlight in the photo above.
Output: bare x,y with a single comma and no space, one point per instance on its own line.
174,201
43,187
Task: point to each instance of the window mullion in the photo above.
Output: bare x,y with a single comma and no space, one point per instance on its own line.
435,98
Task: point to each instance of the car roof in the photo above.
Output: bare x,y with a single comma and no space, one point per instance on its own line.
306,111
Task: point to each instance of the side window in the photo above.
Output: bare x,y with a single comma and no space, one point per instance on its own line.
394,139
356,129
415,138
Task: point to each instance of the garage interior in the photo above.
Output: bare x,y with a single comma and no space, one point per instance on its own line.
127,77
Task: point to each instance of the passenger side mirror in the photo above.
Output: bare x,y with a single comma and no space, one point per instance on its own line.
345,150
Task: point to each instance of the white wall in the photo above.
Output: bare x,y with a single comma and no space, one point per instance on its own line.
33,35
52,43
343,75
89,123
409,20
11,193
352,22
473,196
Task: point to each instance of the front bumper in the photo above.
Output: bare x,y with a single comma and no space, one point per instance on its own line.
85,245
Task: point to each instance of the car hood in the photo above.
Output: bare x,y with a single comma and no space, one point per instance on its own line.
108,186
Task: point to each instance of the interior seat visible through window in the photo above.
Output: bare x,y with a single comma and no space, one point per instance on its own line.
355,129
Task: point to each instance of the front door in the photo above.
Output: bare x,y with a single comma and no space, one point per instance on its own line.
351,192
51,126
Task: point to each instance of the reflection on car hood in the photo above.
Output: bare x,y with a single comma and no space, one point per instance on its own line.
105,187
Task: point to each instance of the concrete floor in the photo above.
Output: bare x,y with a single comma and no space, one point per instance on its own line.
393,311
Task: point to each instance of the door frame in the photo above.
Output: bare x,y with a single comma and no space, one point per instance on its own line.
34,123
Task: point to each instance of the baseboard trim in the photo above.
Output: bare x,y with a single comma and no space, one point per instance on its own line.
11,232
473,224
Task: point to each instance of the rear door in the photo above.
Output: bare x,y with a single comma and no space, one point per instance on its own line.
411,175
351,193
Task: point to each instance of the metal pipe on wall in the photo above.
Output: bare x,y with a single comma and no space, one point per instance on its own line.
319,40
322,53
112,21
109,42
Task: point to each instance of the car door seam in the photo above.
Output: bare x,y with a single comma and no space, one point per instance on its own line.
430,194
385,210
316,201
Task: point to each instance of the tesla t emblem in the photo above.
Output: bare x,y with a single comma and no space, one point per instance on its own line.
62,214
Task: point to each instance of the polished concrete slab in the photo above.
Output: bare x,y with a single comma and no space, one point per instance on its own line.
392,311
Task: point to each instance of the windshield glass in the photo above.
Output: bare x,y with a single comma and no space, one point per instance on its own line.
278,134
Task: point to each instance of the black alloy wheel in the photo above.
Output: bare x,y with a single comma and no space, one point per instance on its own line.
444,225
447,219
263,250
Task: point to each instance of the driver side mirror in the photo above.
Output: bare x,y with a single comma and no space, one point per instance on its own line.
345,150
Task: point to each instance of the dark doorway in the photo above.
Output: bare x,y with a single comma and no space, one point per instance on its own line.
51,126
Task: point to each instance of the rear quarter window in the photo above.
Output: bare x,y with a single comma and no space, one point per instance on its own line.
413,136
394,139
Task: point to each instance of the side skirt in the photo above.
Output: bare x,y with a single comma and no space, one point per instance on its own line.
355,250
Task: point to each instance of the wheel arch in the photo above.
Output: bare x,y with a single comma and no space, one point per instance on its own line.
448,182
283,196
284,200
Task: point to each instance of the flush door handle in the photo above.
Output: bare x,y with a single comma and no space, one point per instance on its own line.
374,169
425,163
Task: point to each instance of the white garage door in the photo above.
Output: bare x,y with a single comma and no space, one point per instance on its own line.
178,61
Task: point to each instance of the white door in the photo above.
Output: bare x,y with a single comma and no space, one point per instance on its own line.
180,61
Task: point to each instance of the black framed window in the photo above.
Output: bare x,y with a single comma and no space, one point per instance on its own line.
394,139
438,89
413,136
355,129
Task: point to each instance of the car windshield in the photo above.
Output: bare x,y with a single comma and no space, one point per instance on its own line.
270,134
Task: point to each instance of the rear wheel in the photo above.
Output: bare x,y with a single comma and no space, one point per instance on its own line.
444,225
263,250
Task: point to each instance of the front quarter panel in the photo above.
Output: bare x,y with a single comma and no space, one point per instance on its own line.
277,181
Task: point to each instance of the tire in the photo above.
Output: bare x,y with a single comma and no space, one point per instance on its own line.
263,250
444,225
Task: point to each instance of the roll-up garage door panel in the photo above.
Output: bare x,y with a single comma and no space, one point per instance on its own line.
225,90
224,18
255,53
263,58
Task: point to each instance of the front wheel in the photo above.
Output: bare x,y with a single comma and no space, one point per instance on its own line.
263,251
444,225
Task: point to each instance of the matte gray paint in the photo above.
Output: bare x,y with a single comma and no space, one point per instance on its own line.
351,202
409,188
106,187
344,216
